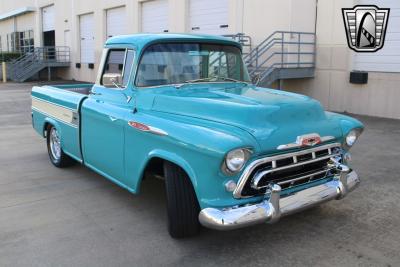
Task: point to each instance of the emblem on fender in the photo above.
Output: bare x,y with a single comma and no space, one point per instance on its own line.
306,140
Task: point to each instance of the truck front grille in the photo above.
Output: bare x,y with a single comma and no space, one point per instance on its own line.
287,170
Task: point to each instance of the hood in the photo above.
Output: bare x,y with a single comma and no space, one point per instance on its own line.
273,117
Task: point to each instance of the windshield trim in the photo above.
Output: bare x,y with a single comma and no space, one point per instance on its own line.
143,50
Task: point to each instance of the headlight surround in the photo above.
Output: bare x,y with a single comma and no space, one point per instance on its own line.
352,137
235,160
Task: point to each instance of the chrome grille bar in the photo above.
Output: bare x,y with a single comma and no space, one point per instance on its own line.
311,175
273,160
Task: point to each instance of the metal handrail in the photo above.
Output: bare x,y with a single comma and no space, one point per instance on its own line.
279,45
39,58
278,32
244,40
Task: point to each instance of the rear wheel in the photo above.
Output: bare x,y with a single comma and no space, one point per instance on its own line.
182,205
56,154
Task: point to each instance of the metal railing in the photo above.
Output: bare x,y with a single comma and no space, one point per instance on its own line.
244,40
41,57
282,49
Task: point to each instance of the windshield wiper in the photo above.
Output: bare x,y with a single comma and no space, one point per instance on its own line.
207,79
199,80
231,80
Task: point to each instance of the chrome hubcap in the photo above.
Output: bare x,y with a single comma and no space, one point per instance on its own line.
55,145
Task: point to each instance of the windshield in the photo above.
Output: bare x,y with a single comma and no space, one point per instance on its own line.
177,63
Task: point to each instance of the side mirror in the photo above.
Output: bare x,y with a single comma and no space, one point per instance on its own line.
256,79
112,80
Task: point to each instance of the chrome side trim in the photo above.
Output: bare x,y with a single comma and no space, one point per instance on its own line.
273,208
250,168
54,104
147,128
157,131
57,112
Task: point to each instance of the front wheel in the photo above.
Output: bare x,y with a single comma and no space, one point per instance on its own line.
56,154
182,205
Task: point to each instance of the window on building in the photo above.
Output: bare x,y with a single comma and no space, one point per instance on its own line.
26,41
13,42
20,41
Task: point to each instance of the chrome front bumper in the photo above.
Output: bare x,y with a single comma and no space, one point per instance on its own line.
272,209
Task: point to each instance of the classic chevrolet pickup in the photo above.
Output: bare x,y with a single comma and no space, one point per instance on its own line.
182,107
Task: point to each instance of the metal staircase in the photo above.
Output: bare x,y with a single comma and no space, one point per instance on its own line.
31,63
282,55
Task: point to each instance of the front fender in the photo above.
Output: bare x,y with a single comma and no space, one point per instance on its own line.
197,146
347,123
174,158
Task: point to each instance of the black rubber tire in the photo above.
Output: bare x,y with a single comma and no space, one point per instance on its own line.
182,205
64,160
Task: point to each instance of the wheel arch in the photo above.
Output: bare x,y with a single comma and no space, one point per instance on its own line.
52,122
158,156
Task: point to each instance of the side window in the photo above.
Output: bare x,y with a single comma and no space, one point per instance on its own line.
117,68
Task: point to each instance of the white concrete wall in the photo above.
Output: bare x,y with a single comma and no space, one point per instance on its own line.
331,86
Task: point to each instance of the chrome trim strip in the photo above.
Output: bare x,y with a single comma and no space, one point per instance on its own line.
157,131
147,128
50,116
298,145
57,112
272,209
247,171
58,105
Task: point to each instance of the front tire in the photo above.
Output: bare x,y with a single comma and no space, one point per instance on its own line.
56,154
182,205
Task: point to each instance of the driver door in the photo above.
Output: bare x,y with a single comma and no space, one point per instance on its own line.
103,116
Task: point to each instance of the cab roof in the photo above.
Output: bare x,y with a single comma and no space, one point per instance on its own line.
144,39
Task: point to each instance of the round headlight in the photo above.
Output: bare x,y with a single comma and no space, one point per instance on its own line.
351,138
235,160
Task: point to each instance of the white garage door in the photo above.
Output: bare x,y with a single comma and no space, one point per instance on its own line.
116,22
48,18
86,27
209,16
155,16
388,58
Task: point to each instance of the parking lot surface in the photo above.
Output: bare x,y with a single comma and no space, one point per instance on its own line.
75,217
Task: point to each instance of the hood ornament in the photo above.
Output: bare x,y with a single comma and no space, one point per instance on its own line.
306,140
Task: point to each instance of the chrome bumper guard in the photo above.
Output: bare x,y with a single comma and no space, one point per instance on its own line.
271,210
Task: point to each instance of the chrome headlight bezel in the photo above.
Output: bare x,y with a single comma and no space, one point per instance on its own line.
351,138
235,160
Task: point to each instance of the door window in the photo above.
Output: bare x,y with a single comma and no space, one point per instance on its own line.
119,65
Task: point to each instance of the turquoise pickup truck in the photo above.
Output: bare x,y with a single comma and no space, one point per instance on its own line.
182,107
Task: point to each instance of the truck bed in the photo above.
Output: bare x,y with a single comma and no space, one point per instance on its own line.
76,88
59,106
